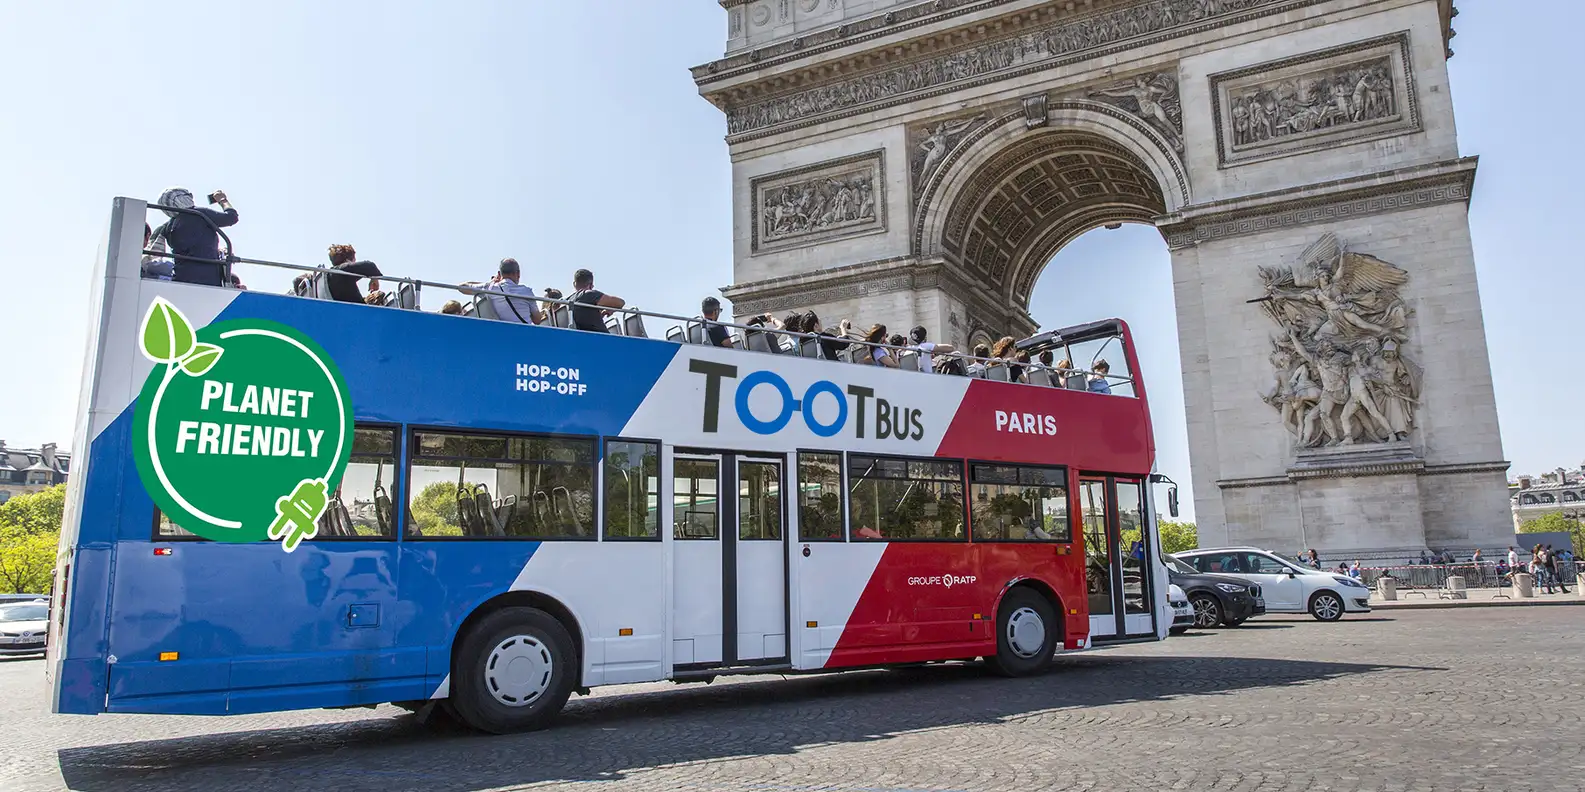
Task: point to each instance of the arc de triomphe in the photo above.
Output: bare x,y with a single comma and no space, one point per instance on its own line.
920,161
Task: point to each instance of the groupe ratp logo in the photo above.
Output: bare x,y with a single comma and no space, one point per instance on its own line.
242,430
889,420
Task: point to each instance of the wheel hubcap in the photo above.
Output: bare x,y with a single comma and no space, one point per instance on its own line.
518,671
1327,607
1206,613
1026,632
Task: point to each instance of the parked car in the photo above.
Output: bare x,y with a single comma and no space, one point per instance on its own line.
1286,586
1182,611
1218,600
23,627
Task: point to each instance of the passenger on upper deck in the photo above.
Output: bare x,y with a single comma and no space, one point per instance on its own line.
878,355
977,368
156,267
766,320
590,318
1097,381
344,273
927,349
830,344
513,302
190,235
452,307
710,309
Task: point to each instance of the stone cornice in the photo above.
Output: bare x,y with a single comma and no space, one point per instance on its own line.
869,278
867,81
1389,191
1468,467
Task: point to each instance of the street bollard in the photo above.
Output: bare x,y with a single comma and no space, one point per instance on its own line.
1387,587
1455,587
1523,585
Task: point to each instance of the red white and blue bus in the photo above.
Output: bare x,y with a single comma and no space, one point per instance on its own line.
532,511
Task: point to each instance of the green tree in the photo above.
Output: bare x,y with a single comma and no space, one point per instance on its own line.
434,509
36,512
27,561
1177,537
1557,523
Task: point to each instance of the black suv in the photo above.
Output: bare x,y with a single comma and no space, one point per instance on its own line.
1217,599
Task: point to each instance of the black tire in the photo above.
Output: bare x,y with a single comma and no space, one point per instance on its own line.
1234,622
1028,615
1207,610
1326,606
505,646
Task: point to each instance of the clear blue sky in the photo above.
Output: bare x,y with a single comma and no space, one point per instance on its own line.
438,138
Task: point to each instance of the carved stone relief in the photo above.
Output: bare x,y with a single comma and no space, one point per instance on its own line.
1035,111
1151,97
1313,101
929,144
1341,375
993,60
819,203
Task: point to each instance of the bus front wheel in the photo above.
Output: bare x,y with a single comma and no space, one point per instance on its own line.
515,670
1026,634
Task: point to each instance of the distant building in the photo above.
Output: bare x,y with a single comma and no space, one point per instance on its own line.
1561,491
24,470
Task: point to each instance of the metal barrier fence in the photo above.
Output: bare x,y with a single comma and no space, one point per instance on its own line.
754,338
1486,574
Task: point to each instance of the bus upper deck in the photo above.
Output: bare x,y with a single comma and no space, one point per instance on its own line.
676,509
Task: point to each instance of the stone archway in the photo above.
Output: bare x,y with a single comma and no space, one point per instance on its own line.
1016,190
920,162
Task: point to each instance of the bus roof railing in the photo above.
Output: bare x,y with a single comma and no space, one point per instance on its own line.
1075,334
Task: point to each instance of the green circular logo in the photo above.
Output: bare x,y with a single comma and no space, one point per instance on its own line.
244,430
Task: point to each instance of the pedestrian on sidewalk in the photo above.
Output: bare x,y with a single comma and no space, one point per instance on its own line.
1538,568
1553,570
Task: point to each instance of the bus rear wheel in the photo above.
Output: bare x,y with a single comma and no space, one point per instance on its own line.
515,670
1026,634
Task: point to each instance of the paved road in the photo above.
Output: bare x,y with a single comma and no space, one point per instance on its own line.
1423,700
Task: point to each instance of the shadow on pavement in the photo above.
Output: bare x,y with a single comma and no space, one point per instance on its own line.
598,738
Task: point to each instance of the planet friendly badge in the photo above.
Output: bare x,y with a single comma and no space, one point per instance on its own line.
243,430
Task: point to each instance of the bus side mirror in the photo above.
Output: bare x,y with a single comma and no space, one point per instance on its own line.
1172,501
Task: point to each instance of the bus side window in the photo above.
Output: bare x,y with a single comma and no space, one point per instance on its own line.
360,507
899,499
500,486
632,490
1016,503
819,497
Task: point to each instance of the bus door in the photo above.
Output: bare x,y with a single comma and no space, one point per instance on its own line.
729,560
1116,546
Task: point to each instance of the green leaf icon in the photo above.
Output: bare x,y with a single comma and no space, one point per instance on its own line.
203,358
167,337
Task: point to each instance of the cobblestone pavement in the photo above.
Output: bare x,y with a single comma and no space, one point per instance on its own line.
1415,700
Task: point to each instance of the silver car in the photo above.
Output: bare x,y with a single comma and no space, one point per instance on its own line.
23,627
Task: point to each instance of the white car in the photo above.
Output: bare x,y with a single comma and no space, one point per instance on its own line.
1182,611
1286,586
23,627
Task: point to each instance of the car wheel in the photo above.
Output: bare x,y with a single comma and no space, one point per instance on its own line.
1326,606
1026,634
1207,611
515,670
1234,622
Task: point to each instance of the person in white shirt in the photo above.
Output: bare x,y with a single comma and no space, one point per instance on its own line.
1513,558
513,302
916,338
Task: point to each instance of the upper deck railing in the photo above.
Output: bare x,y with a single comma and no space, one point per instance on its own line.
693,330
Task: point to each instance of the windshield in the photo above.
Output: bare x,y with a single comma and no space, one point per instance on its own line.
1179,567
23,613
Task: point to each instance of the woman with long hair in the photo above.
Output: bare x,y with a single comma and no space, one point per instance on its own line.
876,354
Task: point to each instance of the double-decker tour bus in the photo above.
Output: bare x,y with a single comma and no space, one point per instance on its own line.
528,511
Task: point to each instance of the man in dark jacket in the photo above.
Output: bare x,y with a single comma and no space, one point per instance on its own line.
344,288
195,237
